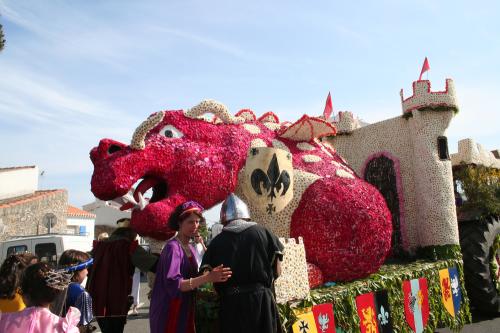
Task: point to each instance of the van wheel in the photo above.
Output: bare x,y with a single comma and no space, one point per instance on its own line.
480,241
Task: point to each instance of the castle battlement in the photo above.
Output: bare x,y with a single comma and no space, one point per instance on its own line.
347,122
293,282
423,96
470,152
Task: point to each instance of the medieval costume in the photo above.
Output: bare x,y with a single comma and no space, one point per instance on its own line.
12,304
251,251
76,296
110,280
36,319
79,298
172,310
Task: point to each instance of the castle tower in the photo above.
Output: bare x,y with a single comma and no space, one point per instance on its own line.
347,122
429,115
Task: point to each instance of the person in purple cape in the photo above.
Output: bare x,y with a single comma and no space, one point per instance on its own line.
172,304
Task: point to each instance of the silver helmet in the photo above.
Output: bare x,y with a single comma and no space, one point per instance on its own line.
233,208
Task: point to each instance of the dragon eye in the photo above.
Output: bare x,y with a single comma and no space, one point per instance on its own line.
170,132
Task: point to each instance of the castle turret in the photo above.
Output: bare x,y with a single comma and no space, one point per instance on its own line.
423,97
429,115
347,122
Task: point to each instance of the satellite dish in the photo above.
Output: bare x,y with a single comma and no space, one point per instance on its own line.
49,220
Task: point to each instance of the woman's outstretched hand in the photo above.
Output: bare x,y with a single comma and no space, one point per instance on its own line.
220,274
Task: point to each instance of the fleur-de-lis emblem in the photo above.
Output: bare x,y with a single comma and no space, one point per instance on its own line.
303,326
383,316
323,321
273,182
455,285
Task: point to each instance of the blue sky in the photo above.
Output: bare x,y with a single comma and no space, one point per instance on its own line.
73,72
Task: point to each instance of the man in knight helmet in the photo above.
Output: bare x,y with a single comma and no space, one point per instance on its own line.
254,255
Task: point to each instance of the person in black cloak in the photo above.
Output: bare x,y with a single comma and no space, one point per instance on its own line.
247,302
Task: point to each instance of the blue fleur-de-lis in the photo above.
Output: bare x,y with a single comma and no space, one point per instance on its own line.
383,316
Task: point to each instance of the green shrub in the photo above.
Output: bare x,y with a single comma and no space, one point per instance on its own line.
481,186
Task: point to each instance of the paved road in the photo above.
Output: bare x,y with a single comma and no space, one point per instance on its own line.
140,323
480,324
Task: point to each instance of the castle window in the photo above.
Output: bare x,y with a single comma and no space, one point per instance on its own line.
443,148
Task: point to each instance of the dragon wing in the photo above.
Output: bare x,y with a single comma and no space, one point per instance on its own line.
307,128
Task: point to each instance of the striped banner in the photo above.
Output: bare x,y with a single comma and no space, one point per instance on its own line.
416,303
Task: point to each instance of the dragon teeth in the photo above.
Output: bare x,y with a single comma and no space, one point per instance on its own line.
143,202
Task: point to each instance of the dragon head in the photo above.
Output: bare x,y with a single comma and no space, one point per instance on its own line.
177,156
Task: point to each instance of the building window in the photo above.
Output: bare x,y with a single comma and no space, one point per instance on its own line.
83,230
443,148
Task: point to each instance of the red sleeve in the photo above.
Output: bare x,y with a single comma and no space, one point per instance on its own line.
133,246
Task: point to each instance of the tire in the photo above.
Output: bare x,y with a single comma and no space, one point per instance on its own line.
476,241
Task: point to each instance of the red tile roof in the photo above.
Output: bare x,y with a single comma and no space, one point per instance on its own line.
27,198
77,212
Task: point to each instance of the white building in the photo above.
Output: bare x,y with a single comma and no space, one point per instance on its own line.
18,181
80,222
106,212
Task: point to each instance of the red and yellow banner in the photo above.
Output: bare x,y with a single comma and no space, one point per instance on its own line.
367,313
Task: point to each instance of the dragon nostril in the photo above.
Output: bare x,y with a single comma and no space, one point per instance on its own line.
113,149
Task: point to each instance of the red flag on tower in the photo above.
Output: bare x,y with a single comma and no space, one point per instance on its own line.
328,107
425,68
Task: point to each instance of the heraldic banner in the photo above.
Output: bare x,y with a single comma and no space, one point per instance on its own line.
305,323
416,302
319,320
374,312
365,304
324,318
451,295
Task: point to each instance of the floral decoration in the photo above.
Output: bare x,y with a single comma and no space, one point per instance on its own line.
344,222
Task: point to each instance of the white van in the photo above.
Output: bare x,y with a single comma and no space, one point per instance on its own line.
47,247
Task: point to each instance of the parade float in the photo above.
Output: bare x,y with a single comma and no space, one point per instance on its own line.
366,213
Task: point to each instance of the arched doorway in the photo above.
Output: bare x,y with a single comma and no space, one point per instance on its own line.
381,173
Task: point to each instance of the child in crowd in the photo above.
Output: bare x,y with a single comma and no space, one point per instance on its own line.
76,263
40,285
10,280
